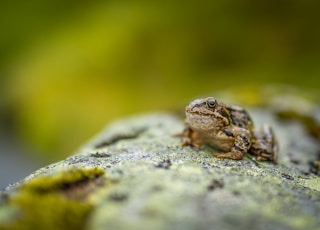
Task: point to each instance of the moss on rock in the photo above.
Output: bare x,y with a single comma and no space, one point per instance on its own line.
41,203
151,182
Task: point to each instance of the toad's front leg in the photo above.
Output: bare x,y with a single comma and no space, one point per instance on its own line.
190,137
240,146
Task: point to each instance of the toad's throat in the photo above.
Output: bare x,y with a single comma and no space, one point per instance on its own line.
202,122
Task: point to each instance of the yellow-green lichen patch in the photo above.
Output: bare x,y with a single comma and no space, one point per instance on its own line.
63,182
49,211
55,202
313,183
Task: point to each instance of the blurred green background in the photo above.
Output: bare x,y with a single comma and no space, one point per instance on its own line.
69,67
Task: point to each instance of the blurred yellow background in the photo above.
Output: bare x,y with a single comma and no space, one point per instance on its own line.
69,67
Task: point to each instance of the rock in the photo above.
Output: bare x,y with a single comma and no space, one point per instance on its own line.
135,175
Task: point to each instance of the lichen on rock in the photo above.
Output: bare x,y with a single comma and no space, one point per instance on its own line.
150,182
52,202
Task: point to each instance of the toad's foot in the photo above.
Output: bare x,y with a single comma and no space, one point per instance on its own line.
230,155
189,142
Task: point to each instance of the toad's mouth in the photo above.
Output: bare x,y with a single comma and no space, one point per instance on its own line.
199,113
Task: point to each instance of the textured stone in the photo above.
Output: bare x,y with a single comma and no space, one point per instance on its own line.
157,184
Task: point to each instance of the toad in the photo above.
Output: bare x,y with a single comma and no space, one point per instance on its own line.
229,129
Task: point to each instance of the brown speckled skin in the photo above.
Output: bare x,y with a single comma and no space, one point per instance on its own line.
227,128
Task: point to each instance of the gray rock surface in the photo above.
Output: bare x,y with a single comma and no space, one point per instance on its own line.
161,185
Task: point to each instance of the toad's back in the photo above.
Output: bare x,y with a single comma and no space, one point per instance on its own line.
239,117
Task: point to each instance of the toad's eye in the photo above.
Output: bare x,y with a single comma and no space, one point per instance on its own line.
211,103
